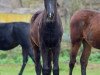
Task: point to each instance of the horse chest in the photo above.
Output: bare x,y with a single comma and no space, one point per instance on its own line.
92,36
50,37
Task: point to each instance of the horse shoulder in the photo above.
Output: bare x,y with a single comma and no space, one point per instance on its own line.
35,16
35,29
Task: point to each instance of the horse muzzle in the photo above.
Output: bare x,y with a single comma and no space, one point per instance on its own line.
50,17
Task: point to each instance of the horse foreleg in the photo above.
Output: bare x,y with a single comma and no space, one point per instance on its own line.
37,60
73,54
31,54
84,58
49,60
25,59
46,70
56,61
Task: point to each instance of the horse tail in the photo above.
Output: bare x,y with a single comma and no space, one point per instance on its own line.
35,16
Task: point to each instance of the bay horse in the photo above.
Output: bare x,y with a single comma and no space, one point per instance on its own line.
85,29
46,34
14,34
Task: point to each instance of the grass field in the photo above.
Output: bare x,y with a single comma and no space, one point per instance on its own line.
10,63
12,69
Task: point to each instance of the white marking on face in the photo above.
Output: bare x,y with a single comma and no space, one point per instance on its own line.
50,6
50,15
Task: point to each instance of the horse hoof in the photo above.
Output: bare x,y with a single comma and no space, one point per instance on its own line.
19,74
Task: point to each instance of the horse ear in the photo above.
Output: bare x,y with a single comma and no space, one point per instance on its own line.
58,5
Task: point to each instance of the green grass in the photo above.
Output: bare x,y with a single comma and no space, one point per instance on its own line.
12,69
10,62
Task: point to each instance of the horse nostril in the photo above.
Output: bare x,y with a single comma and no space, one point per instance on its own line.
50,15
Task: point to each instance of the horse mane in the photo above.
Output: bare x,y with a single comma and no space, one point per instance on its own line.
35,16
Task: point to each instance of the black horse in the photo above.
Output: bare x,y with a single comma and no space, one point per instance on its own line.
14,34
46,35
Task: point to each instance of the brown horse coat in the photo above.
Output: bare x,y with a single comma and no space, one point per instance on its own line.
85,24
85,29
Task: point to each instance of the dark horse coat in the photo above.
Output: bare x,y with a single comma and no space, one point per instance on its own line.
46,36
11,34
14,34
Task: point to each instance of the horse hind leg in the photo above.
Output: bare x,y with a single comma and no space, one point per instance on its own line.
84,57
25,53
25,59
73,54
27,50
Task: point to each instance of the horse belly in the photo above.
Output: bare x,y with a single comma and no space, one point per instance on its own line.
96,40
92,36
7,43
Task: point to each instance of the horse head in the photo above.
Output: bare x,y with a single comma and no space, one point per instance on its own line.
50,8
